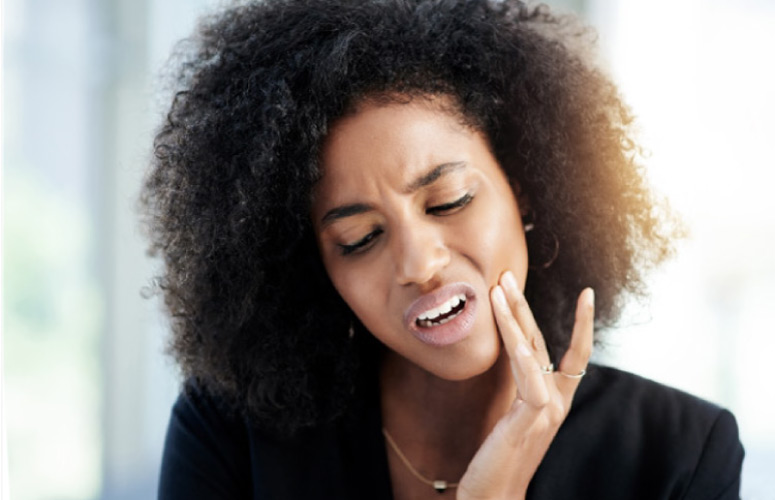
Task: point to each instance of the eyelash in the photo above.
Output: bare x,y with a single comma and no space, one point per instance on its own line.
358,245
459,203
439,210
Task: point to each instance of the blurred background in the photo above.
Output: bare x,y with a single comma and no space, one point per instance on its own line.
87,388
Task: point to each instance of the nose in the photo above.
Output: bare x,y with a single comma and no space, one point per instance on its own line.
420,252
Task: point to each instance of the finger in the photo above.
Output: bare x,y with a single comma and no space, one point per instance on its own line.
531,379
524,316
507,323
576,358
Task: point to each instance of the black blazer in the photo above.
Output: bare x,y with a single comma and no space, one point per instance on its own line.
625,438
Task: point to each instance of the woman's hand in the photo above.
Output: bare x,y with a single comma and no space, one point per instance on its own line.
509,457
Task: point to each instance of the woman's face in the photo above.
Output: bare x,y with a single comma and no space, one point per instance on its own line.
416,221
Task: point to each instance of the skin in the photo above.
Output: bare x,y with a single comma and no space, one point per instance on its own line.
479,408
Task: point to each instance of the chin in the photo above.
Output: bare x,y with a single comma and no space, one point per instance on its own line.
470,360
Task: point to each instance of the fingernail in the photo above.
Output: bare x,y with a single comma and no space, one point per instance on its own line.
510,282
591,298
498,295
523,349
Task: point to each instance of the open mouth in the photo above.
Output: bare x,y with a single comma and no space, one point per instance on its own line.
444,317
443,313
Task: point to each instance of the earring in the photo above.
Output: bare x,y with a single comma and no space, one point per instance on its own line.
528,221
555,254
351,331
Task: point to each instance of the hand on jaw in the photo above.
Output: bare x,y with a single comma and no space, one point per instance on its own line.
507,460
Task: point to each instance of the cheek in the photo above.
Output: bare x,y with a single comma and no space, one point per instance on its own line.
360,288
513,246
495,242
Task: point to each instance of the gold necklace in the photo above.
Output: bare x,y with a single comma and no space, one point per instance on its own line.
438,485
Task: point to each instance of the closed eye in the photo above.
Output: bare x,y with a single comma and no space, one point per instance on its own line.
361,244
449,208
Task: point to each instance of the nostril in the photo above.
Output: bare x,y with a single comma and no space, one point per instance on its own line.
420,252
422,267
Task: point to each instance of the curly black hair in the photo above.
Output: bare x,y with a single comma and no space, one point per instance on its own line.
255,318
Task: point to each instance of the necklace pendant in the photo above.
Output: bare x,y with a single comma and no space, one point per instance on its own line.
440,486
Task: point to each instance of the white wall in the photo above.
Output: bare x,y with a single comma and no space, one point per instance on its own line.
699,76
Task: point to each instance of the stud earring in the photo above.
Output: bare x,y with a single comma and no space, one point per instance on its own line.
528,221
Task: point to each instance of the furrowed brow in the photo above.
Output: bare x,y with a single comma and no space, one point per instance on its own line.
433,175
344,211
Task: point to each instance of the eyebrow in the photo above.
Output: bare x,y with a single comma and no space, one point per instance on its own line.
422,181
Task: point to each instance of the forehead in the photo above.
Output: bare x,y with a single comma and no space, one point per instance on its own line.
393,143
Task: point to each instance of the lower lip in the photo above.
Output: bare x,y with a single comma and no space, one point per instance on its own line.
450,332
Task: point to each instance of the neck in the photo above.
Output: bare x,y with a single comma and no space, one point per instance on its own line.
440,424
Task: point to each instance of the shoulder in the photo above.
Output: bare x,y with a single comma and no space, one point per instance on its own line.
631,434
214,452
638,404
205,451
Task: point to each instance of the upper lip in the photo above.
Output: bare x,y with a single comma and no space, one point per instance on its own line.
435,299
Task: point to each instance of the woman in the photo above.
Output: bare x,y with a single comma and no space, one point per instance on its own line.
390,229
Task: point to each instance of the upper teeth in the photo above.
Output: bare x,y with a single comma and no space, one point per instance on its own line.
443,308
